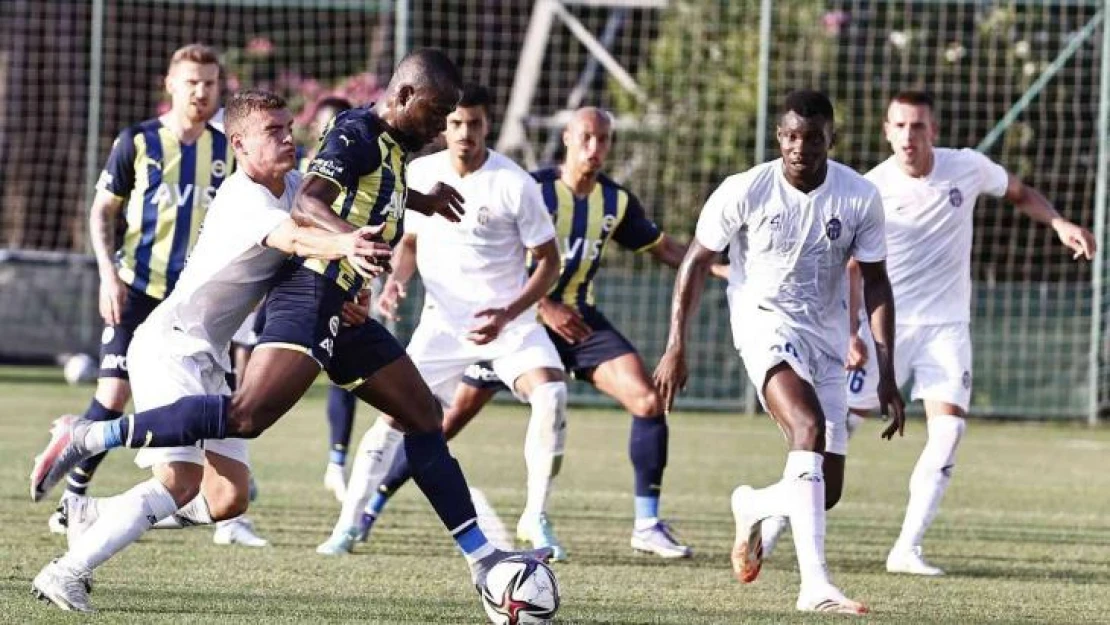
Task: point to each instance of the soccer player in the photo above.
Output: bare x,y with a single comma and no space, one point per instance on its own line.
341,402
357,179
929,194
791,225
183,346
589,210
480,304
161,176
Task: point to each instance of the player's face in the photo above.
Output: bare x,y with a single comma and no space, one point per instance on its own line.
911,130
266,143
194,90
466,131
423,114
588,140
804,143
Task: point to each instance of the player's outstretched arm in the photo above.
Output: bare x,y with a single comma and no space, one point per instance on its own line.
364,247
1034,204
546,272
442,200
879,299
312,205
671,373
404,267
105,212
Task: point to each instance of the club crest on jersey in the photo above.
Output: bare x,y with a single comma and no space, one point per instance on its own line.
483,215
833,228
955,197
966,379
107,335
219,169
607,222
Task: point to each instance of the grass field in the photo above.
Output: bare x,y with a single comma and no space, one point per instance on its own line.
1024,533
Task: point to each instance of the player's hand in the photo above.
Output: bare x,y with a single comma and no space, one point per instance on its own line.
1078,239
857,353
113,296
564,321
443,200
892,406
670,375
490,329
367,252
390,299
355,313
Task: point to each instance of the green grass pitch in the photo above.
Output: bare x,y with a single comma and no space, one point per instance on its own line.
1024,532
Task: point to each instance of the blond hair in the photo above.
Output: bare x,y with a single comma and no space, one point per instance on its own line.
196,53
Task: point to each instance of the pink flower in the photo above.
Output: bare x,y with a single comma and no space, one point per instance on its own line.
835,21
260,46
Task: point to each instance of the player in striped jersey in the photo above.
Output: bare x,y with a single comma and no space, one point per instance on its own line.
160,176
590,210
357,179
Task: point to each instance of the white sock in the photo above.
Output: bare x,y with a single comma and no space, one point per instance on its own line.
196,512
372,462
544,443
132,514
806,479
930,477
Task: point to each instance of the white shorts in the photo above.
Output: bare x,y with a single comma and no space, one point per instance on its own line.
442,353
765,345
937,357
245,335
159,378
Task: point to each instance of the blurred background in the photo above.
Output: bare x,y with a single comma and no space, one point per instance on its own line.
694,86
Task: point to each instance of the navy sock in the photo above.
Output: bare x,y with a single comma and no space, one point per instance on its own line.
441,480
399,473
647,448
184,422
341,419
78,480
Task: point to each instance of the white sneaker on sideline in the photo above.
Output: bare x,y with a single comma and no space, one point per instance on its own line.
910,562
238,531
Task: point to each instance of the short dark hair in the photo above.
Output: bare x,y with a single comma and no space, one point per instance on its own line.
242,104
913,97
474,94
426,68
808,103
338,103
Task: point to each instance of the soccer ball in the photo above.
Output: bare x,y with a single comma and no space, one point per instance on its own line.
520,589
79,369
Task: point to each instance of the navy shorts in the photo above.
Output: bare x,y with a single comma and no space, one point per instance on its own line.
115,340
303,313
605,343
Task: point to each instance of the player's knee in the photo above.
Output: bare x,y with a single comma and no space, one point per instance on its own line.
227,502
181,479
807,434
422,417
647,404
549,401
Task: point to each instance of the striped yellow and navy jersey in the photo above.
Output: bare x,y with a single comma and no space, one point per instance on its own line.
358,154
585,224
167,187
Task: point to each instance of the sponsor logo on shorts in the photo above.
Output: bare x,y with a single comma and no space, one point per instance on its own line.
333,325
966,379
107,335
114,361
955,197
833,229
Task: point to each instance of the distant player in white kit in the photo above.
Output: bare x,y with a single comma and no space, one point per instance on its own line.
479,304
182,348
791,225
929,194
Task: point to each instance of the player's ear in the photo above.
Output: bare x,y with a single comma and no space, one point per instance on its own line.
405,95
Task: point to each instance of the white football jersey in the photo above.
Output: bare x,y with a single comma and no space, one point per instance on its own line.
228,272
928,232
788,250
480,262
